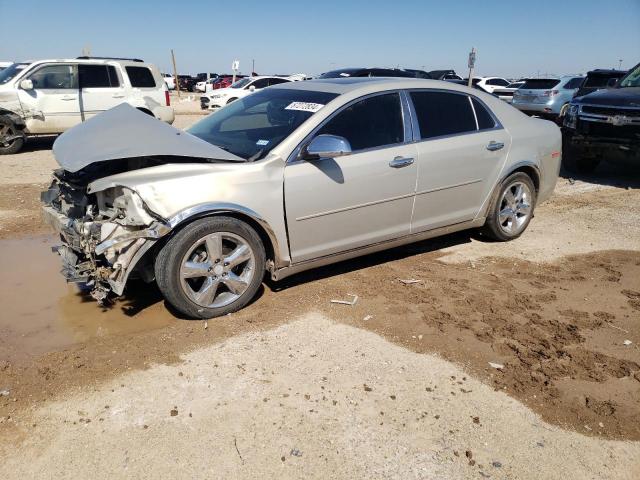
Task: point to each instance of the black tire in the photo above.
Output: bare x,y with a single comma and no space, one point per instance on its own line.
493,227
8,128
169,260
231,100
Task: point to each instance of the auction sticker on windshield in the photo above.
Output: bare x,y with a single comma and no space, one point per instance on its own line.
304,106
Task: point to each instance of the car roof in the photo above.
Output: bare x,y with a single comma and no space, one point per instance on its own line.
87,60
366,85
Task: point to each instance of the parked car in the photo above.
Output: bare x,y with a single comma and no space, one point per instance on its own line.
375,72
507,92
465,83
217,99
599,79
186,83
4,65
205,85
169,80
604,125
488,84
444,75
294,176
51,96
546,97
226,81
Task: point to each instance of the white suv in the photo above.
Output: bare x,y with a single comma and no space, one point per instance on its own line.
51,96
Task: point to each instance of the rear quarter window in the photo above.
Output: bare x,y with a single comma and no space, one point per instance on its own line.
140,77
573,83
485,120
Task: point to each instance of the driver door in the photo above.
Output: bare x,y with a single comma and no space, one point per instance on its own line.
54,101
337,204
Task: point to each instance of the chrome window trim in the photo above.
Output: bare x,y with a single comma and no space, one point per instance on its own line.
497,126
406,123
475,115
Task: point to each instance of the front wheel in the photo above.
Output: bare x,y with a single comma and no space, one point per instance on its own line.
212,267
511,209
11,140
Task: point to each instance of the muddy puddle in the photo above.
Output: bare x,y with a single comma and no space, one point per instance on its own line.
40,312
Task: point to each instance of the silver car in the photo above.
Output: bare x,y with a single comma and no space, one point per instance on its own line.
290,178
546,97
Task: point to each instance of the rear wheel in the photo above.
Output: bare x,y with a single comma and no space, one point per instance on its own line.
511,209
212,267
11,140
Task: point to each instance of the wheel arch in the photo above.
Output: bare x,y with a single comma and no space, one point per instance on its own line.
527,167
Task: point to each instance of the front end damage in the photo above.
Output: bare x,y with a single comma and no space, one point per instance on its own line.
104,234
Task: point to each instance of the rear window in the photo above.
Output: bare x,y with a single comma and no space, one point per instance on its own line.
97,76
598,81
140,77
441,113
540,84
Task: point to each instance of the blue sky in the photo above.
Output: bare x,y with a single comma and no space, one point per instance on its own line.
513,38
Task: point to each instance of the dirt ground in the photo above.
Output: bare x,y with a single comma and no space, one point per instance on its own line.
399,385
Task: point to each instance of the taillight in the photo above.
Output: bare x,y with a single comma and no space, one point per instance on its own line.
166,98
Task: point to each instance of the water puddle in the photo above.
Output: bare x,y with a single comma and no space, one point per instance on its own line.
40,312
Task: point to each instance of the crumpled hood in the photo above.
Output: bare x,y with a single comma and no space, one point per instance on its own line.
615,97
126,132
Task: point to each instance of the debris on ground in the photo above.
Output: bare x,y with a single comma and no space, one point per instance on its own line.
627,342
347,302
497,366
368,317
295,452
4,393
174,412
410,281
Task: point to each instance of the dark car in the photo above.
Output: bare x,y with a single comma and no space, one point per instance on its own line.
599,79
187,83
604,125
202,77
445,75
375,72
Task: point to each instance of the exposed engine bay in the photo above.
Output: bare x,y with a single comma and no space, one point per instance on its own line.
106,233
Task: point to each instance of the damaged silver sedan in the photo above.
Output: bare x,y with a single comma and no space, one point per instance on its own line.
287,179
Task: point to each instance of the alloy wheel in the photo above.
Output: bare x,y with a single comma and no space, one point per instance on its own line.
515,208
217,269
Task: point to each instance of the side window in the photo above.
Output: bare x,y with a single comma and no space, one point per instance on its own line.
276,81
442,113
140,77
261,83
372,122
498,82
97,76
54,77
573,83
485,120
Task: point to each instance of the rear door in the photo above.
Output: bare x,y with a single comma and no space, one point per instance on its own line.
54,100
338,204
100,89
461,152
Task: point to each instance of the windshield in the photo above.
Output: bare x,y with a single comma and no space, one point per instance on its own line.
11,71
241,83
632,79
252,126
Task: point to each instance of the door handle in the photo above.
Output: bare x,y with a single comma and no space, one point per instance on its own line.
400,162
493,146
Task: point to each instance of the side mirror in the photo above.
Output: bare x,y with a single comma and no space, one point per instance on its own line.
26,84
612,82
326,146
252,88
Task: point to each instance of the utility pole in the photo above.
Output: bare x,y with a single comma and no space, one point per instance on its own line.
472,64
175,73
253,67
620,64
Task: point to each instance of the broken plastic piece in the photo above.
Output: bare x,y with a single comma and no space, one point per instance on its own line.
410,281
346,302
498,366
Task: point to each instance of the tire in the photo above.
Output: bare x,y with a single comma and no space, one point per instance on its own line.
8,128
231,100
511,208
201,287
